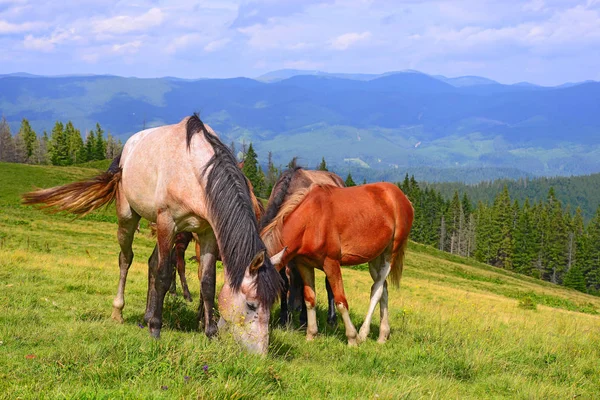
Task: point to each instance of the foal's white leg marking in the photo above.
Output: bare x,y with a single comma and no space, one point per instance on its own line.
379,277
350,329
311,321
384,327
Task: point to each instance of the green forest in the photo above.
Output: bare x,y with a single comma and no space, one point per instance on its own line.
64,145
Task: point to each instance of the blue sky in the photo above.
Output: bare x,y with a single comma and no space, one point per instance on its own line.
541,41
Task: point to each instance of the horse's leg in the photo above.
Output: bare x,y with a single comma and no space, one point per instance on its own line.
165,233
200,316
379,269
151,294
308,277
384,327
334,276
331,314
181,244
127,224
283,311
208,259
173,288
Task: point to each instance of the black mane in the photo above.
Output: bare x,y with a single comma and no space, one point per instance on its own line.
280,191
234,221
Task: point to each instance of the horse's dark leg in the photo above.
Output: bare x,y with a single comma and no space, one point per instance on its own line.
200,317
283,313
296,289
331,314
125,234
181,243
151,296
164,273
208,259
173,288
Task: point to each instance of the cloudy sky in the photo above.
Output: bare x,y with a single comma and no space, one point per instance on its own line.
540,41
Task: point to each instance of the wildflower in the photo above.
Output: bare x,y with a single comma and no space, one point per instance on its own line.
141,326
164,387
205,368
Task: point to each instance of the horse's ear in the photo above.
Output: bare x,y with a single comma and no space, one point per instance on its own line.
276,259
258,261
241,165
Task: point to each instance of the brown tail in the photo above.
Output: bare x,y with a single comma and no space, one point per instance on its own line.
80,198
398,264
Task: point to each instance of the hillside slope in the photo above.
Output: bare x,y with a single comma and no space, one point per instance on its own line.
457,328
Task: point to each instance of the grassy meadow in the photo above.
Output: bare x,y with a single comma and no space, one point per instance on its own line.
460,329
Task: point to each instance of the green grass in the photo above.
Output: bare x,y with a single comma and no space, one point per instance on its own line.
458,327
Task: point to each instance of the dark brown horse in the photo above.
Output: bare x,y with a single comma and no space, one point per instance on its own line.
290,182
325,227
185,179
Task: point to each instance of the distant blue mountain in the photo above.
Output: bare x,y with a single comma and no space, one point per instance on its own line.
391,121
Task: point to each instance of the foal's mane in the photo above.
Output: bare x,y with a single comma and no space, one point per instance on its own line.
234,221
271,232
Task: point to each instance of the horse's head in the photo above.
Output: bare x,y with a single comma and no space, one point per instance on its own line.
246,312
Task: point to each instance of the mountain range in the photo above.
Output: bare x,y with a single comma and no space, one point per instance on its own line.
395,121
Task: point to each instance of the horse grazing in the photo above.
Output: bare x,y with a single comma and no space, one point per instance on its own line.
325,227
184,178
290,182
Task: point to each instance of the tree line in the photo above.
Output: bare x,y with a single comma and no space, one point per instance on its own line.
64,146
543,239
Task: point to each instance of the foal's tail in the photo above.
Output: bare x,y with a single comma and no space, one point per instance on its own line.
80,198
404,221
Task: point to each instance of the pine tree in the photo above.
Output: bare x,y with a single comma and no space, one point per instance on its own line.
349,181
7,146
524,246
592,270
90,146
364,181
293,163
555,249
251,170
574,279
323,165
75,143
29,138
271,176
40,152
20,148
100,144
59,146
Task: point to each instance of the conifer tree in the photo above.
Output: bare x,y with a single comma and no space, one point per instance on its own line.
323,165
59,146
90,146
20,155
7,146
271,176
251,170
100,144
75,143
574,279
29,138
349,181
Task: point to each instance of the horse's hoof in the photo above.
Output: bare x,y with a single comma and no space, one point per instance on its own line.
332,322
211,331
155,333
352,343
310,338
382,340
117,316
188,297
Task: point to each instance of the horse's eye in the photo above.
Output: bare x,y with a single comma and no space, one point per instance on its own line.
251,306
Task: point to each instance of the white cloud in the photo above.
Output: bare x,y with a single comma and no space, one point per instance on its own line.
216,45
10,28
124,24
183,42
47,43
347,40
127,48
